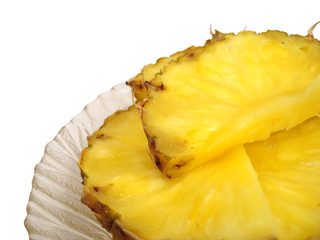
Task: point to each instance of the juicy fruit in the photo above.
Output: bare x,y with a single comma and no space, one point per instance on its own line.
264,190
288,166
228,184
236,89
223,200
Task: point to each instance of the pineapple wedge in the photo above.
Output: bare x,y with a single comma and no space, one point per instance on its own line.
288,166
134,200
236,89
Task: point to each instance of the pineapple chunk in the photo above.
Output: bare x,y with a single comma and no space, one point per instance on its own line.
288,166
134,200
236,89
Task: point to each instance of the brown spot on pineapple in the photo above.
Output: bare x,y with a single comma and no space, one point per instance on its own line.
154,87
120,234
152,146
98,136
108,219
157,162
160,159
129,83
83,175
102,136
178,166
102,212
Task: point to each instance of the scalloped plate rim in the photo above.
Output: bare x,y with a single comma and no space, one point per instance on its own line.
49,209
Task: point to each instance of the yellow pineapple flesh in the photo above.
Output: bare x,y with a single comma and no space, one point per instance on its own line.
139,83
262,190
265,190
223,200
236,89
288,166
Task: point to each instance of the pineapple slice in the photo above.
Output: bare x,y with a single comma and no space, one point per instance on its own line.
134,200
236,89
288,166
140,82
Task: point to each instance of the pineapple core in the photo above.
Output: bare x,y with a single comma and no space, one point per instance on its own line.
236,89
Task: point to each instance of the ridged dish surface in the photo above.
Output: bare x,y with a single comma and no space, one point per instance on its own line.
54,210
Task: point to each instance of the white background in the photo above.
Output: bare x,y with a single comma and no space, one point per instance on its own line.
57,56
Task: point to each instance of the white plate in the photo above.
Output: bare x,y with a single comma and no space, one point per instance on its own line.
54,209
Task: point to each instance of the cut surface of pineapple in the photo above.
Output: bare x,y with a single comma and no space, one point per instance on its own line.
223,200
139,83
236,89
288,166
